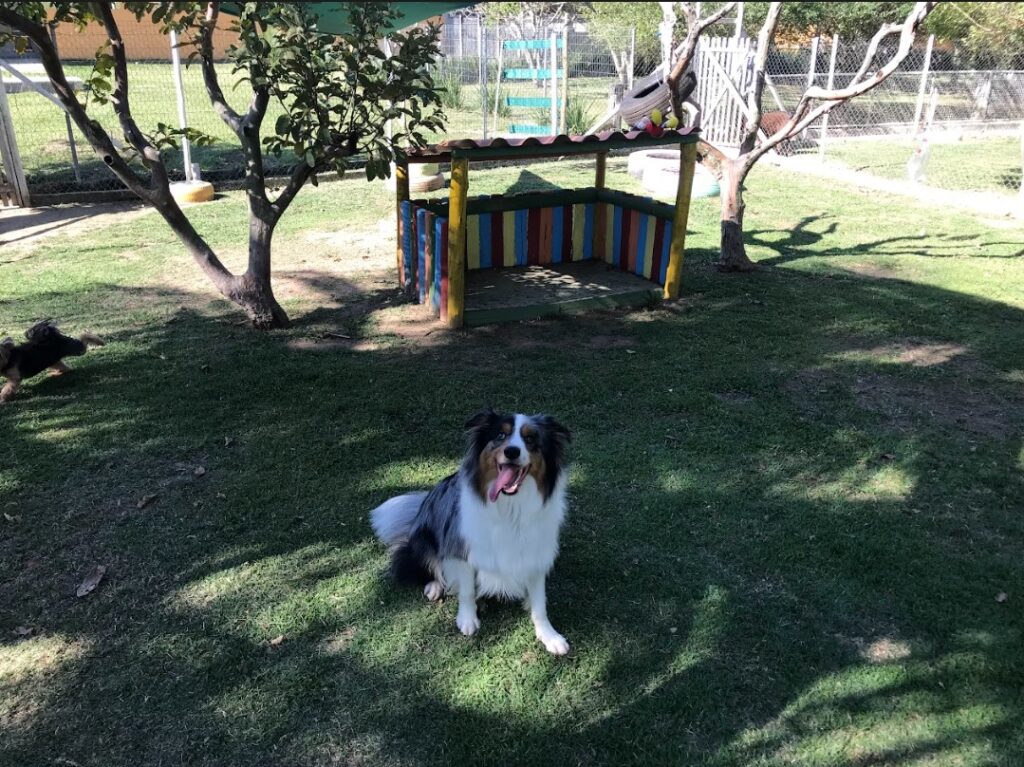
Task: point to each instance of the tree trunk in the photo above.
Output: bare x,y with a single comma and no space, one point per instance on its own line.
253,291
733,255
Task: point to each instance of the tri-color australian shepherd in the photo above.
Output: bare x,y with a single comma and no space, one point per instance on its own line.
45,347
491,528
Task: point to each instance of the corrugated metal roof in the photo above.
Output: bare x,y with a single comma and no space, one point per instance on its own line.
548,145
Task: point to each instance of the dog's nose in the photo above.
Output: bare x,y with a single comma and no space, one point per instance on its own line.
511,452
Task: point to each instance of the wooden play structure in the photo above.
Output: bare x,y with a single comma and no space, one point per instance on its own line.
478,260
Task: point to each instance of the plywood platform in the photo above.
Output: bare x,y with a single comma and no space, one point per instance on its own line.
518,293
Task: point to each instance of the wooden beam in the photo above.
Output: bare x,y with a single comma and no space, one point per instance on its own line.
674,273
401,195
602,158
457,242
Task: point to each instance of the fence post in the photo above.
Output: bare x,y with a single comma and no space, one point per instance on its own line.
179,90
553,39
9,150
632,58
482,72
924,81
831,81
814,61
565,76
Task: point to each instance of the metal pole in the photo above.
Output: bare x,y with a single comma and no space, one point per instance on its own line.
482,72
738,31
565,76
924,81
632,58
67,121
814,61
831,80
179,90
554,83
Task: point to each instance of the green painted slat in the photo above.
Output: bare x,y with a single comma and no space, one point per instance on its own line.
529,101
634,202
531,74
532,130
533,45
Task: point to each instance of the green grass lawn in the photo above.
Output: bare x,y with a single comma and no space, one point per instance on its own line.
796,496
980,165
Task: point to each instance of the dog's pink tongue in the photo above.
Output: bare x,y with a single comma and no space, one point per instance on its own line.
506,475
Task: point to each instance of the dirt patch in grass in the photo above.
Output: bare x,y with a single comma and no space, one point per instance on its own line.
942,402
874,271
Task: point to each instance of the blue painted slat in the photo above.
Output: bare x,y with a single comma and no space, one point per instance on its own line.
529,101
533,45
533,130
531,74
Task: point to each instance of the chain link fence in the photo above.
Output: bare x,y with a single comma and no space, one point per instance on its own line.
931,122
501,80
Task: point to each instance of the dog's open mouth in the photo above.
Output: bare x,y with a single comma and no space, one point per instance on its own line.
510,478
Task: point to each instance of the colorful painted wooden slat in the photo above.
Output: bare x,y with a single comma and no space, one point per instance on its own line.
484,229
532,130
531,74
508,227
428,255
473,242
421,252
521,219
440,256
530,101
444,271
522,45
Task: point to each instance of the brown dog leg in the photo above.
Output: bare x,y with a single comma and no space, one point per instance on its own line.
9,389
59,369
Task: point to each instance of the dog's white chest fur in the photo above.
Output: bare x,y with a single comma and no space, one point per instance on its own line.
513,539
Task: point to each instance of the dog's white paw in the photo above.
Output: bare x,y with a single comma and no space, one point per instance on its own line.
468,622
433,591
554,643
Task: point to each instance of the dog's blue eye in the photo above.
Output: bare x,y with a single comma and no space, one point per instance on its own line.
500,437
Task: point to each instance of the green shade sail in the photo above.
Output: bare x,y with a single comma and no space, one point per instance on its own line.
333,17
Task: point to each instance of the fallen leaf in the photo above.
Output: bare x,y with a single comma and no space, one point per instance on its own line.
888,456
276,641
630,351
229,441
12,517
1001,597
200,471
221,495
204,368
673,630
92,580
146,500
24,631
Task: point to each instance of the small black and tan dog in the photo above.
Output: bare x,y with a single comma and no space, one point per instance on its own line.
45,347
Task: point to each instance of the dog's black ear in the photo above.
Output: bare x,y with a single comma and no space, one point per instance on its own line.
556,430
480,420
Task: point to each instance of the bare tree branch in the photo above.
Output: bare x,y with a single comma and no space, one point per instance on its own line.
695,27
803,116
149,154
756,92
220,104
97,137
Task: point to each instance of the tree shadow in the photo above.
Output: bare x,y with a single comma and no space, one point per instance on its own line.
806,568
810,237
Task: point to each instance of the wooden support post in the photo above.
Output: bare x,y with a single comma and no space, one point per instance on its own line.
674,273
401,195
599,182
457,242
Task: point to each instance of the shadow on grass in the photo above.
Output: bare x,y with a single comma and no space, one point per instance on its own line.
810,237
781,549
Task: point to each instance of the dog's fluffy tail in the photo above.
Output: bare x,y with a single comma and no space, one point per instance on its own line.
392,520
91,339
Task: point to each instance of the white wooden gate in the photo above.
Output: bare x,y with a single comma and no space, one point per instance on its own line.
13,190
724,69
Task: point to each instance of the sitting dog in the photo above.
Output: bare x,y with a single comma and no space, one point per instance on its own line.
45,347
492,527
